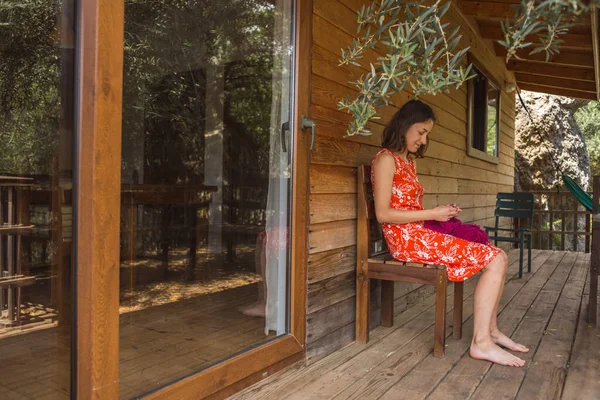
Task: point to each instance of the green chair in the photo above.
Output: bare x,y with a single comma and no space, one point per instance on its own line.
519,206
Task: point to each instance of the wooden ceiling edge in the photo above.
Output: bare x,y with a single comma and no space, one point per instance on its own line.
552,81
456,8
595,44
556,91
550,74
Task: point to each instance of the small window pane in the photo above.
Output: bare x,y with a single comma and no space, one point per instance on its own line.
492,120
479,87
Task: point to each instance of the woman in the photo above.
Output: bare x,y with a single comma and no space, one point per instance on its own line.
398,206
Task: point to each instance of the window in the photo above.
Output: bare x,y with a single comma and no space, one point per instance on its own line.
484,116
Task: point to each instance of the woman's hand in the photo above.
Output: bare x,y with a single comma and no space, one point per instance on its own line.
445,213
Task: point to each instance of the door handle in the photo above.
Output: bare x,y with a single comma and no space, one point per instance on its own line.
284,128
309,123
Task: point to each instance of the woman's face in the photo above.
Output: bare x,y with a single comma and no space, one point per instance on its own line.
416,136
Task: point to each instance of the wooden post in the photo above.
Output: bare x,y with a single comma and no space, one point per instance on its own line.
98,183
588,229
458,310
595,256
362,255
10,266
575,224
439,343
562,221
551,204
387,303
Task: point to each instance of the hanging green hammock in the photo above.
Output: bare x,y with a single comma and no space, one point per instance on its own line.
581,195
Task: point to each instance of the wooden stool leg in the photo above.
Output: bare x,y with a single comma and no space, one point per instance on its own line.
440,314
458,310
387,303
362,307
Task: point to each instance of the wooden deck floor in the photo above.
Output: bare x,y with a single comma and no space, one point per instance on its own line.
544,310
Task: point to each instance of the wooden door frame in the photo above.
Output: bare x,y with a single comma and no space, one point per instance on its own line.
97,210
100,77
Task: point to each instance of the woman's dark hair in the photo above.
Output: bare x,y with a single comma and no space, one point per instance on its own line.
394,134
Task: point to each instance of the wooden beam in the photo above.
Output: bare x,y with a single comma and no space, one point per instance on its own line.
563,83
548,69
98,183
557,91
571,40
486,9
595,46
568,58
500,10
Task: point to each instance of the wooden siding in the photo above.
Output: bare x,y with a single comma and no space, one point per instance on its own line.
447,173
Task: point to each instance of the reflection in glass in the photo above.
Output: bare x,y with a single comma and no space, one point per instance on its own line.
485,114
205,185
493,120
36,193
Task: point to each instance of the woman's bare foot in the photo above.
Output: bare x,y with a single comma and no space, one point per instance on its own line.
254,310
491,352
501,339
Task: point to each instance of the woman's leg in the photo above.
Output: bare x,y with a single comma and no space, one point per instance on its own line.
486,295
257,309
499,337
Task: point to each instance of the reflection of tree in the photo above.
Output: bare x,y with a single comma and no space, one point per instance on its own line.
167,47
29,80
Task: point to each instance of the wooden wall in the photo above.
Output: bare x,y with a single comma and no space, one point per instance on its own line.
447,173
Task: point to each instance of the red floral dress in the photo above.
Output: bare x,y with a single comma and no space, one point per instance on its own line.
415,243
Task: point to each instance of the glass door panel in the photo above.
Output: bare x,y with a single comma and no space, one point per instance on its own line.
206,182
37,64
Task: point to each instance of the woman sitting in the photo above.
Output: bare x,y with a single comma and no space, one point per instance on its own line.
398,205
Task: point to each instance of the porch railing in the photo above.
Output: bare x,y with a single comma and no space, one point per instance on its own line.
560,222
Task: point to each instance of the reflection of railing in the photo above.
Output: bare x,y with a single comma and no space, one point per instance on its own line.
188,197
560,222
14,225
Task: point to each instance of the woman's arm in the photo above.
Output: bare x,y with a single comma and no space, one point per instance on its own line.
384,169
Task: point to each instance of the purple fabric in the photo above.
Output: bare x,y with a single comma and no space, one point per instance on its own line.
454,227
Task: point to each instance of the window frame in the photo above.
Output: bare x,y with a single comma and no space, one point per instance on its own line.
471,151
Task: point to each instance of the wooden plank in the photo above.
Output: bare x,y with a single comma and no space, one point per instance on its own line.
550,70
338,16
332,235
332,179
466,375
529,332
595,46
494,11
546,373
16,281
420,381
334,341
571,40
557,91
486,9
336,316
582,381
291,383
365,375
563,83
101,57
565,57
332,207
330,291
331,263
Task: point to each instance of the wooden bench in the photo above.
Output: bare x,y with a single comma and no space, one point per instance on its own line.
380,265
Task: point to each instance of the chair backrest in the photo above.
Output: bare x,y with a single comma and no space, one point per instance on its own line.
368,231
515,205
